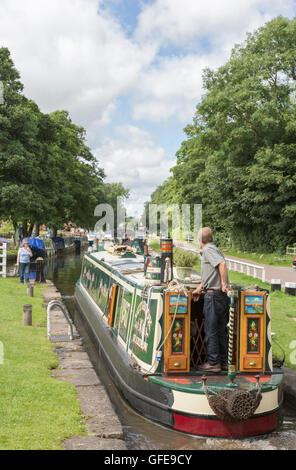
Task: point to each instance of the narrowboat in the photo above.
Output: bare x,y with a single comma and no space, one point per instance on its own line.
63,245
150,335
37,247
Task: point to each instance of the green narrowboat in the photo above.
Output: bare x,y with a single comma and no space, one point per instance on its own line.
150,335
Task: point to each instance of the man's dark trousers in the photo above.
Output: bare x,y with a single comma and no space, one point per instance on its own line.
216,314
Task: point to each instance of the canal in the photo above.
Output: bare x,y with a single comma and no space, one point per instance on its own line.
140,433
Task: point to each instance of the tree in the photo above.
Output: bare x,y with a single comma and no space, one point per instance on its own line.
48,174
239,157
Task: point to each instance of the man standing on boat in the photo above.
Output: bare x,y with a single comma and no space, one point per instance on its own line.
214,283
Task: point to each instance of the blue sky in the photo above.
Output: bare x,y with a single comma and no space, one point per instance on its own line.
129,71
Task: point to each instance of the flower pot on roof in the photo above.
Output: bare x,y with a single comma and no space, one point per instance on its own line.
183,261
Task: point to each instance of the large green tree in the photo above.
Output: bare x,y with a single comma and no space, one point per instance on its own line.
47,172
239,156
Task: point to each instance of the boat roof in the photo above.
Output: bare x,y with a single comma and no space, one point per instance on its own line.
130,268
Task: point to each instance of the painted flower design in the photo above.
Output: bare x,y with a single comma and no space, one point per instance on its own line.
253,335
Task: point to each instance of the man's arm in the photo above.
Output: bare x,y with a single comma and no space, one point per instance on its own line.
223,275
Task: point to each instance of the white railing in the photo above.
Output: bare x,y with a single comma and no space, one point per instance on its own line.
246,268
3,259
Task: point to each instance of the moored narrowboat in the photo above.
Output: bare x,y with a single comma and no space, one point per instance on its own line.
150,335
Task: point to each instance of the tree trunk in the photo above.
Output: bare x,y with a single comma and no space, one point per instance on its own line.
30,230
25,229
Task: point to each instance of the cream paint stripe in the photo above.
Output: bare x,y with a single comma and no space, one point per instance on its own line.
269,402
198,404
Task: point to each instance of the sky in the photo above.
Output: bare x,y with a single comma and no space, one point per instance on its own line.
128,71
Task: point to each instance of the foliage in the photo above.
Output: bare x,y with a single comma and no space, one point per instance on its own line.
239,156
47,172
37,411
184,258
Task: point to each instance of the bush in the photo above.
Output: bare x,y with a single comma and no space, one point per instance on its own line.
184,258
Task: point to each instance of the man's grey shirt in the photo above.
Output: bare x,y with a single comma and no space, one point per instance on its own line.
211,258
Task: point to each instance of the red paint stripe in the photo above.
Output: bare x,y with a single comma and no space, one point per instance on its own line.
179,380
217,428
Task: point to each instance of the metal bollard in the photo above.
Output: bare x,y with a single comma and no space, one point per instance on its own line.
27,315
276,284
290,288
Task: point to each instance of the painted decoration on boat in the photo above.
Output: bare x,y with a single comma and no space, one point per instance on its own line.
112,304
254,304
177,336
98,284
143,329
253,335
182,302
124,315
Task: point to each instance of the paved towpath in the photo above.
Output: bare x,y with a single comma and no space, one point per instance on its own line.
104,430
285,274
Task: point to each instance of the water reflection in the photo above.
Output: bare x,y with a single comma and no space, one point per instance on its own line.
140,433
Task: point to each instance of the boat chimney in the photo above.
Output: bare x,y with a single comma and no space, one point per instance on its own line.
166,248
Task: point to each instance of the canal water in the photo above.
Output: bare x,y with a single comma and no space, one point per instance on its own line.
140,433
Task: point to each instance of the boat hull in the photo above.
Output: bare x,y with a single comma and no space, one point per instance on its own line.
161,403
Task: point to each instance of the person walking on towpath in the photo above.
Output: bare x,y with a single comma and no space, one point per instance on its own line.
23,261
214,282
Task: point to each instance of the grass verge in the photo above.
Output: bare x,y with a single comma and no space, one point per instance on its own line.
37,411
272,259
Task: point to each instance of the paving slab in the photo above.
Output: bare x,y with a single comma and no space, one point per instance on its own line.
94,401
107,426
93,443
69,363
77,377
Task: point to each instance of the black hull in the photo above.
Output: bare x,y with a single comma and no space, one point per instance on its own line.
149,399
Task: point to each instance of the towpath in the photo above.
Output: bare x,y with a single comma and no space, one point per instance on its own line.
104,430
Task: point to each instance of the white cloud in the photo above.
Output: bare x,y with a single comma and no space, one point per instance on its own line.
172,88
179,22
133,158
205,32
70,56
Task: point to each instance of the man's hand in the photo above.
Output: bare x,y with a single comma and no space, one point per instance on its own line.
224,287
196,293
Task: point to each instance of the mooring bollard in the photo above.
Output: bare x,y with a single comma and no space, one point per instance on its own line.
290,288
30,290
27,315
276,284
